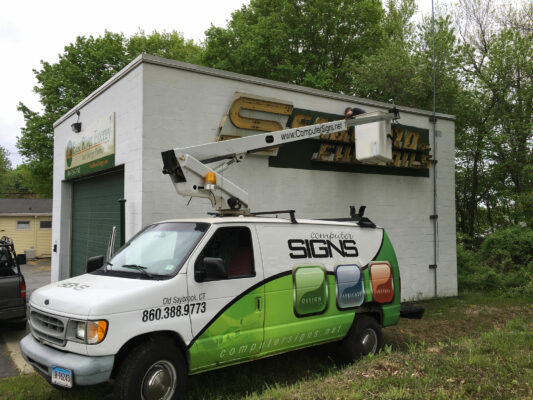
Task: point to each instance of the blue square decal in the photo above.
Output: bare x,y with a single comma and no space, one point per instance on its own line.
350,290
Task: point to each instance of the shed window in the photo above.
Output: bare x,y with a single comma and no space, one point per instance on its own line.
23,225
45,224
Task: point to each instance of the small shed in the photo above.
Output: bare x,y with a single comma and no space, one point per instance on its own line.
29,223
107,155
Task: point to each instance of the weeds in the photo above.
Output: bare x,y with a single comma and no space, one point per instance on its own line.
503,265
475,347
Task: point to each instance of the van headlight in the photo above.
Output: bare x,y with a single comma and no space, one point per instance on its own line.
91,332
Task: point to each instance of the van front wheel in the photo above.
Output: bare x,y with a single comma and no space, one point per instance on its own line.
363,338
152,371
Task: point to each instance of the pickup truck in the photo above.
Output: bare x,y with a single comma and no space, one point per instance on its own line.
12,285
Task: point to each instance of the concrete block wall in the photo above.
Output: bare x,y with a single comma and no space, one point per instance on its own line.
161,104
124,98
184,108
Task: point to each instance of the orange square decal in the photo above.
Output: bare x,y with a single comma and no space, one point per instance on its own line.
381,277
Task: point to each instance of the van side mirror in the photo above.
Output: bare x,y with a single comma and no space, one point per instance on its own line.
214,268
200,274
21,259
93,263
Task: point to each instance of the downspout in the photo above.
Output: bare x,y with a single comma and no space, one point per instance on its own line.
36,220
434,216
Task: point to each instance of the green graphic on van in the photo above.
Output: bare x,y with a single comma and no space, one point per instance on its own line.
310,290
300,311
350,290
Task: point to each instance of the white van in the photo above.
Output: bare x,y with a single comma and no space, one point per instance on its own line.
188,296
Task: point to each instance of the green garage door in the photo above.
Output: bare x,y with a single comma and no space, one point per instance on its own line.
95,210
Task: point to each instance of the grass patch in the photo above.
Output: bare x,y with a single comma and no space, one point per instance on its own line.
471,347
33,386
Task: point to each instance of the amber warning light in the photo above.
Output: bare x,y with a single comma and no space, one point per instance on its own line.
210,180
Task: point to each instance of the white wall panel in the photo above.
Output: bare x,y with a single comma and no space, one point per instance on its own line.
124,98
183,108
159,107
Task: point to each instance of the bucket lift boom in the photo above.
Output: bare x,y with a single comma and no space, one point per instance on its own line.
192,176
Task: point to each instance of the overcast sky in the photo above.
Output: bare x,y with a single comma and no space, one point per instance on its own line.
34,30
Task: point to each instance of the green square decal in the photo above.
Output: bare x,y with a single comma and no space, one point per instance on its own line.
310,290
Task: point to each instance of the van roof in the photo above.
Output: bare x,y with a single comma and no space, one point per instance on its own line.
270,220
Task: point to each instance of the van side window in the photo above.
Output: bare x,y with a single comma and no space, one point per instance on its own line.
233,245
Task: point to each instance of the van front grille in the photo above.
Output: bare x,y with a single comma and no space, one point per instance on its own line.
48,327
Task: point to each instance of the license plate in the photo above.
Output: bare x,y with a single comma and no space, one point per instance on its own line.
62,377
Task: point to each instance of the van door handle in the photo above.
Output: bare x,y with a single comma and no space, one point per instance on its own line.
258,303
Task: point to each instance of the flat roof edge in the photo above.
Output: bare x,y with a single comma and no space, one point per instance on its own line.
164,62
25,214
110,82
149,59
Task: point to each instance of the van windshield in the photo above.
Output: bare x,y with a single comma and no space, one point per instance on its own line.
158,251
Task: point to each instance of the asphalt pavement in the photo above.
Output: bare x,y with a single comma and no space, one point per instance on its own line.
37,274
7,367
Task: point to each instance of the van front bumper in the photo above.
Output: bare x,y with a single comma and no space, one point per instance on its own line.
85,370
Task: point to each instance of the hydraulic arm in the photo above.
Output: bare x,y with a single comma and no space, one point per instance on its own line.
192,176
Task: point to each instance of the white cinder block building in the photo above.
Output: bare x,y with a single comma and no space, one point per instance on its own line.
155,104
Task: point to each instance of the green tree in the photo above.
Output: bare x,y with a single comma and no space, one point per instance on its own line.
311,43
525,200
13,181
170,45
402,72
497,145
508,78
5,168
388,74
20,179
36,145
83,67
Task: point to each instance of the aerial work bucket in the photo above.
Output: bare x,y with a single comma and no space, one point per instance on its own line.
373,141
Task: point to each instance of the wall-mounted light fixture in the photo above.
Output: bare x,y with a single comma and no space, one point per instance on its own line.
76,126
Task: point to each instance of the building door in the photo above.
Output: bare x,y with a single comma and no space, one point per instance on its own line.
95,210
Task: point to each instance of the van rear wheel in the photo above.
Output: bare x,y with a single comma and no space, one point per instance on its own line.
363,338
152,371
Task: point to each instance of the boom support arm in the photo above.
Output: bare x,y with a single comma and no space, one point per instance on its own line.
188,170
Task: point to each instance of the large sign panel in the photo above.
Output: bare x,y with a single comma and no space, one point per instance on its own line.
91,150
250,114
